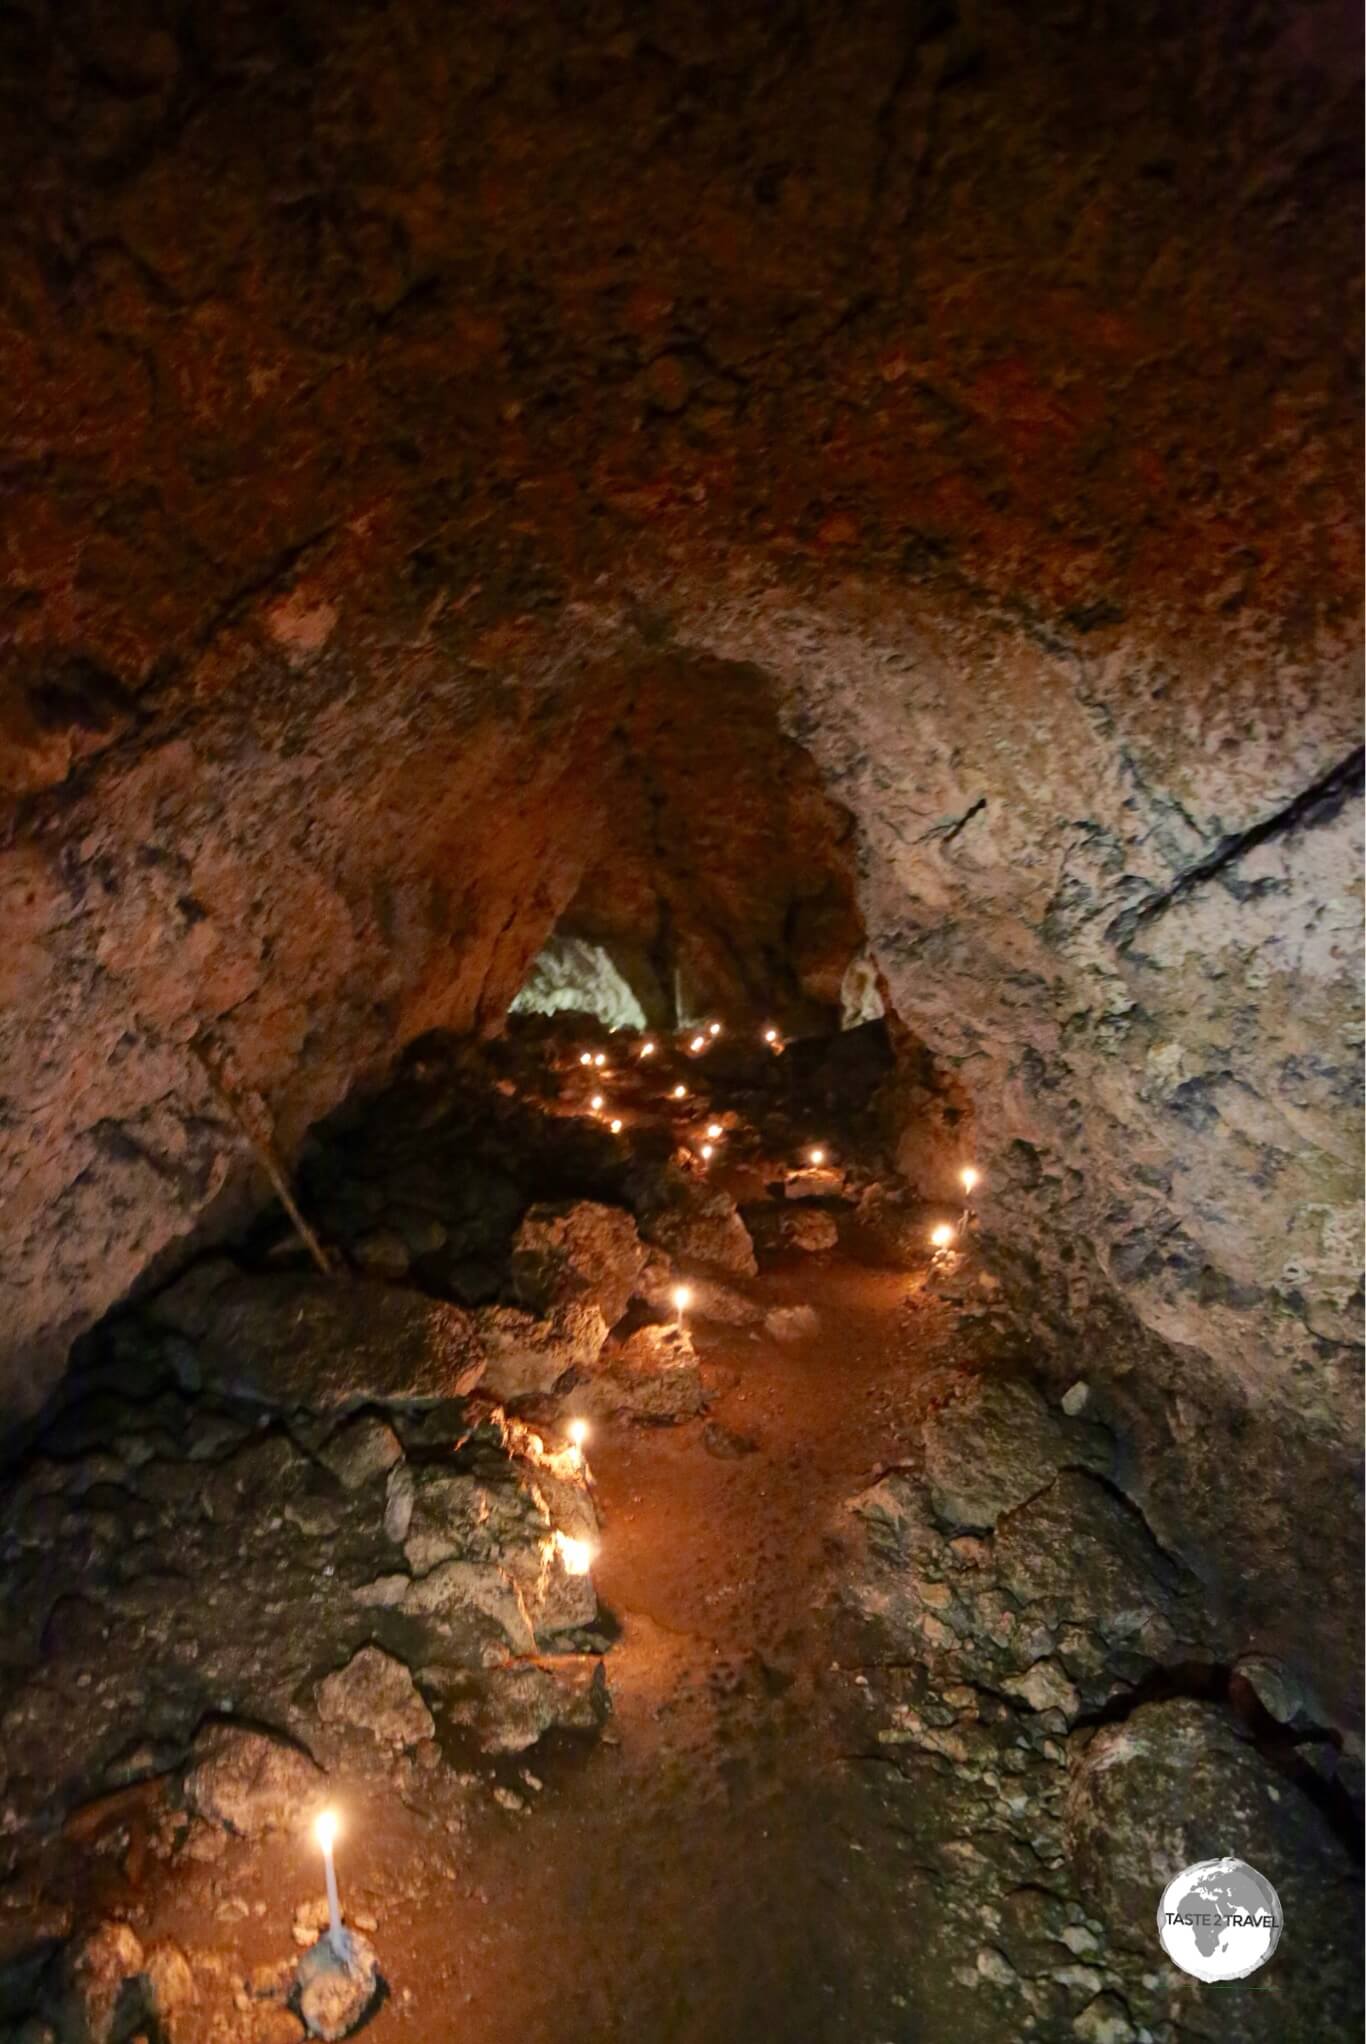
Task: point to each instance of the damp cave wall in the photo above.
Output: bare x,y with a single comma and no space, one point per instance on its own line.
381,383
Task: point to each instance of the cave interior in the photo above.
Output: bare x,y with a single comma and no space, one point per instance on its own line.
680,1059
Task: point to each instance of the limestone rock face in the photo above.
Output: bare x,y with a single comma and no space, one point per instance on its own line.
992,1443
324,1343
653,1374
699,1223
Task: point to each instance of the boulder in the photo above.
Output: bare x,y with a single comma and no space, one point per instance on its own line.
527,1356
791,1323
577,1252
103,1993
322,1344
509,1709
376,1693
652,1375
1176,1783
699,1223
362,1450
251,1783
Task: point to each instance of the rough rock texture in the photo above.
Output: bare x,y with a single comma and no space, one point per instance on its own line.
391,404
320,1343
1172,1785
652,1374
575,1253
376,1693
252,1784
526,1355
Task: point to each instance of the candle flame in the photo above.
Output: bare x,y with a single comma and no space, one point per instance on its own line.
714,1129
587,1058
615,1127
597,1102
578,1432
969,1177
647,1049
680,1092
601,1058
770,1036
705,1152
577,1555
325,1829
817,1155
682,1298
698,1043
713,1029
942,1235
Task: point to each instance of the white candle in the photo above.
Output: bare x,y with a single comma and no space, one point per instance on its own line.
325,1831
682,1299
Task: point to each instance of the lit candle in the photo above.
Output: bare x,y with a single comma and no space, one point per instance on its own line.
770,1036
698,1043
817,1155
597,1103
680,1092
969,1177
713,1029
578,1434
706,1152
647,1049
601,1058
587,1058
577,1555
714,1130
942,1235
325,1831
615,1127
682,1299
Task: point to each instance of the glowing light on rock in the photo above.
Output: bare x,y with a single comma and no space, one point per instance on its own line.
942,1235
817,1156
681,1296
597,1103
969,1177
615,1126
707,1151
714,1130
577,1555
680,1092
578,1432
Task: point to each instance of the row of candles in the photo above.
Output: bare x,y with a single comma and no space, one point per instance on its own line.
577,1555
